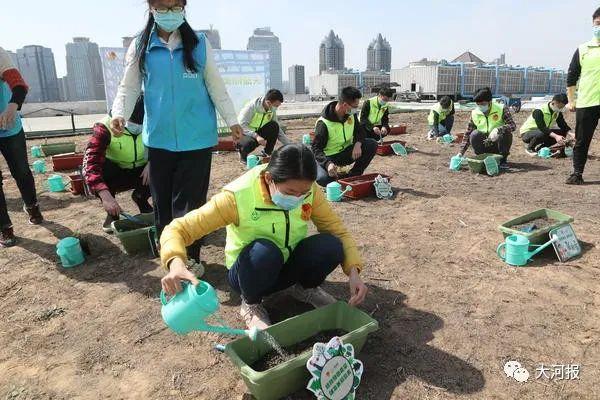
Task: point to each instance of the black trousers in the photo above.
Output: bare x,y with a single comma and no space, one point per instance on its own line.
369,149
587,121
14,150
179,184
121,180
538,139
481,146
270,132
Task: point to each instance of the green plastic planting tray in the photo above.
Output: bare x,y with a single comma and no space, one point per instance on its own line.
291,376
477,165
539,236
53,149
133,236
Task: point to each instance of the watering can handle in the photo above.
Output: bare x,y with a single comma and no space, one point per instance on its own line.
501,251
163,298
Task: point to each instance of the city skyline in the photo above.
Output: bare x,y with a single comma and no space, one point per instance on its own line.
301,28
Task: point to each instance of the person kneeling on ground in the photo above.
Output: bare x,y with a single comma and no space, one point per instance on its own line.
340,140
375,115
266,212
261,126
115,163
490,128
536,130
441,118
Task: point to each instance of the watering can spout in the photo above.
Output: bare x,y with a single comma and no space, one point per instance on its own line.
251,333
542,247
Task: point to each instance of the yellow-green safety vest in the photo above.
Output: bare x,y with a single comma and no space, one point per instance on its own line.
487,123
127,150
376,111
260,119
588,92
550,118
443,114
340,135
260,220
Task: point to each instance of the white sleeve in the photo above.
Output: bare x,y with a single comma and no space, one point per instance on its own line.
5,61
217,90
130,86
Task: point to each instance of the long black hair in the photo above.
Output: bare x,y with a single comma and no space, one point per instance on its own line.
188,37
293,161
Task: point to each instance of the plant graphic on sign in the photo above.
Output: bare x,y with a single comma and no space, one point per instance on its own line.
335,372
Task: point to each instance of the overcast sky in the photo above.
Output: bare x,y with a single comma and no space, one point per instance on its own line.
530,32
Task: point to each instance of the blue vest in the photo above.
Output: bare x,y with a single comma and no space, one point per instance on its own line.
5,95
180,115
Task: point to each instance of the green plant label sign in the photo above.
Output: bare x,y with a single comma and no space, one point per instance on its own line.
335,372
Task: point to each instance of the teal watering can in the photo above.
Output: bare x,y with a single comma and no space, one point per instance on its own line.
569,151
306,140
56,183
36,151
545,152
252,161
39,166
515,250
448,139
70,252
335,193
491,166
188,310
399,150
456,162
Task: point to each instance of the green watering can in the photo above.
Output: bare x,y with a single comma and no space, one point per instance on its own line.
306,140
187,311
56,183
70,252
448,139
399,150
39,166
515,250
335,193
569,151
545,152
456,162
36,151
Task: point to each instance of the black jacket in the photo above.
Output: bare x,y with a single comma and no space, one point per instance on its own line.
538,116
364,117
322,133
574,70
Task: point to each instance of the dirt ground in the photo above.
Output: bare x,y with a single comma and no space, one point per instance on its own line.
451,313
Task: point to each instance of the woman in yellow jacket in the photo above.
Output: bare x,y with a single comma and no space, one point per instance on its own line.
266,212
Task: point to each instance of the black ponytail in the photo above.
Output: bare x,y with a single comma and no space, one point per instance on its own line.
293,161
188,38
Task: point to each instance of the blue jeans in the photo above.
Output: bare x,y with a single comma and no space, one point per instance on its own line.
260,271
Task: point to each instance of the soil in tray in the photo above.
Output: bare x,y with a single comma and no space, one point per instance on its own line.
540,223
272,359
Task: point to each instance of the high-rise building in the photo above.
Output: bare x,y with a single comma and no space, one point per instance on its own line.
379,55
297,79
63,89
36,64
84,70
264,39
213,37
331,53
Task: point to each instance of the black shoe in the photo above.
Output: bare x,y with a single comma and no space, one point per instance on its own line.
35,215
7,237
107,225
141,202
503,166
575,179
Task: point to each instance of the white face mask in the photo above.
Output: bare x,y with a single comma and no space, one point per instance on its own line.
484,108
133,128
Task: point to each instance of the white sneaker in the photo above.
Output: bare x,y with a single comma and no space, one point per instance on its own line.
531,153
255,316
316,296
196,268
430,135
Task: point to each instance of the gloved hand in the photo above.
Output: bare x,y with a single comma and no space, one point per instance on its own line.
494,135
